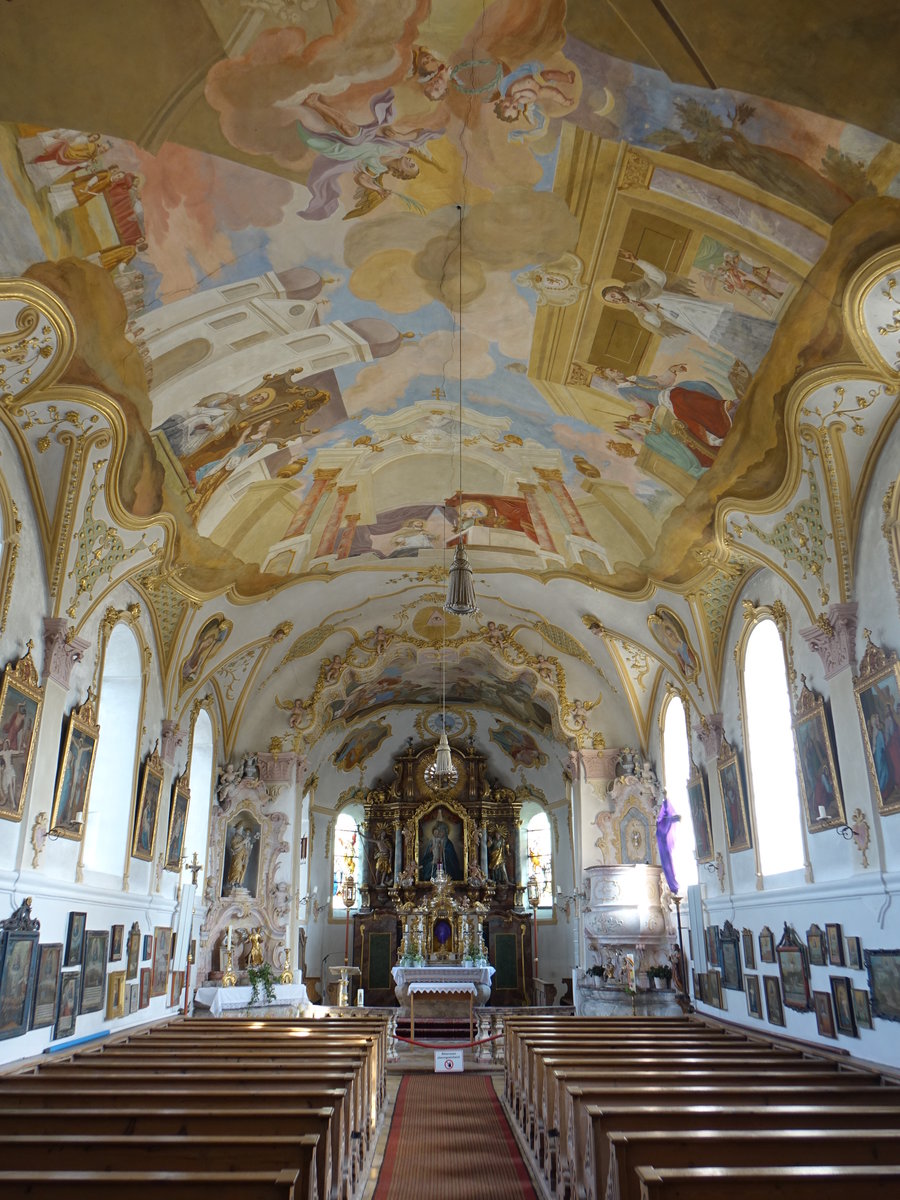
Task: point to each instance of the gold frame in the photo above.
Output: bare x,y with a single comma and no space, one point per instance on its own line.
180,788
697,779
810,712
81,720
877,666
727,759
151,769
115,995
21,677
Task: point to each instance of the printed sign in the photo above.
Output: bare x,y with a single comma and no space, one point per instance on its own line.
448,1060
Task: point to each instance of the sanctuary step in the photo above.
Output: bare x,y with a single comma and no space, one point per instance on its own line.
435,1029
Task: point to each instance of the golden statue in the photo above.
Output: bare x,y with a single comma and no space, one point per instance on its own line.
256,954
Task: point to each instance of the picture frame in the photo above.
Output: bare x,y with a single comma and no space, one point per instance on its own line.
754,1000
93,971
717,997
19,935
698,799
132,998
702,989
883,967
877,691
162,948
177,992
67,1009
144,996
46,987
793,967
21,702
730,958
774,1006
178,812
824,1014
766,945
115,995
712,945
815,944
749,950
75,939
842,999
835,943
854,953
147,949
146,811
820,788
133,951
116,942
734,800
862,1009
76,769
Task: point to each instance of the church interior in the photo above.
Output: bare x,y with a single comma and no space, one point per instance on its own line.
450,581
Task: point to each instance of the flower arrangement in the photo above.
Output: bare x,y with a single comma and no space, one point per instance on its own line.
261,977
662,972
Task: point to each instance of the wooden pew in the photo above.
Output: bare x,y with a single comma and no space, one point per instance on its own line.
665,1117
150,1154
767,1147
156,1185
762,1183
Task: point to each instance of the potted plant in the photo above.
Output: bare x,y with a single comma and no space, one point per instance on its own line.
661,976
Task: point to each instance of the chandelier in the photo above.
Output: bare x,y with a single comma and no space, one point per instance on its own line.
460,591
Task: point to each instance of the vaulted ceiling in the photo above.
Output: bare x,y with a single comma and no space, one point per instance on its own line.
279,247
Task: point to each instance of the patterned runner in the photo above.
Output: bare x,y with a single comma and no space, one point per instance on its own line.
450,1140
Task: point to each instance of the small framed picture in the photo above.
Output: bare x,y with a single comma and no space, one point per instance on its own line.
93,977
19,955
115,995
147,951
177,988
854,953
766,945
146,975
46,988
730,958
749,951
734,801
794,971
146,811
862,1010
162,948
835,940
774,1007
884,983
712,945
75,939
754,1001
116,942
717,996
133,951
815,943
66,1014
824,1014
132,998
73,783
842,996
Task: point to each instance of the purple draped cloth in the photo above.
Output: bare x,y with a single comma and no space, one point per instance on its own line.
665,841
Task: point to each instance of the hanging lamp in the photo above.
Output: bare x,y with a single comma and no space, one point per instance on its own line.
460,590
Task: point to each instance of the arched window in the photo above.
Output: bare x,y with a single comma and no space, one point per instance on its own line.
347,855
539,855
770,751
200,781
676,756
106,832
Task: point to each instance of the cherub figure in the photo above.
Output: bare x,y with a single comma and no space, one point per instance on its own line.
332,668
38,839
545,668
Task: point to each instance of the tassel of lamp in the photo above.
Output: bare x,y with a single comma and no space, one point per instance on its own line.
460,589
443,764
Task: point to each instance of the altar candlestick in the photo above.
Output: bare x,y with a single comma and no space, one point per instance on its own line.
228,947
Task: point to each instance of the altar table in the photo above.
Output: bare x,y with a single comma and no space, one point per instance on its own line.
434,973
217,999
440,989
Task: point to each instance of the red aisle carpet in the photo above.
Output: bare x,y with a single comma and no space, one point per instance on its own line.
450,1140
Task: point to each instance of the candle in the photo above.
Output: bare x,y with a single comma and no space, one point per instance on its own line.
229,937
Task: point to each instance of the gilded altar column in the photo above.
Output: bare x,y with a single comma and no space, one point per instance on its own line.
323,481
333,524
553,483
398,851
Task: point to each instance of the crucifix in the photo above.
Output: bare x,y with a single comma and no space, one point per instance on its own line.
195,866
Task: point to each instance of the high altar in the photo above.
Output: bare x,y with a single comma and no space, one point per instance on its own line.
441,894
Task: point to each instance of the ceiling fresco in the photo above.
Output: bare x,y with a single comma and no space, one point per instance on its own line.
293,253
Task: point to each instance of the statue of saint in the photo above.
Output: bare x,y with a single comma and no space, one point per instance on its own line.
256,955
240,846
498,849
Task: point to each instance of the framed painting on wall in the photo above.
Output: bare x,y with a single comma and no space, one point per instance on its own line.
754,1000
820,789
93,979
46,988
144,999
835,941
877,689
133,951
115,995
181,798
734,801
116,942
854,954
815,944
794,969
75,939
730,956
146,812
766,945
18,964
716,995
749,950
842,995
862,1010
774,1007
20,710
67,1012
147,951
824,1014
162,946
884,983
712,945
76,768
698,799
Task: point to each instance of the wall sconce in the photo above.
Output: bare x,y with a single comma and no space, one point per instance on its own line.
564,900
310,899
73,831
859,833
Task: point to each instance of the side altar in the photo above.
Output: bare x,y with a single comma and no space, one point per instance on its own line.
441,885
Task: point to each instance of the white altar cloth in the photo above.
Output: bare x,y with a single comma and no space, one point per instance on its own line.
442,974
217,999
